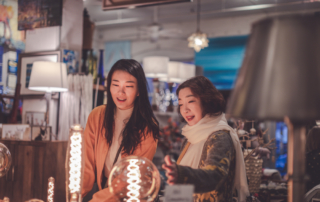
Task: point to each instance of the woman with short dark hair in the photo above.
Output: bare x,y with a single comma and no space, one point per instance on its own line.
211,158
124,126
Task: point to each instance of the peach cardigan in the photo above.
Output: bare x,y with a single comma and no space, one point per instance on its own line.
96,149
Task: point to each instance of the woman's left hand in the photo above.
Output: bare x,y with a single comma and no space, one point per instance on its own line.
171,170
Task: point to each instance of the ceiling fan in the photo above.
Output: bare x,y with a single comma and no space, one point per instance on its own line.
154,31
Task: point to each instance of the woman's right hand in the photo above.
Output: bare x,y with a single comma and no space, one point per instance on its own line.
171,170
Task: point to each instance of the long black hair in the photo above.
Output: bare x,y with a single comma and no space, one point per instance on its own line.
142,120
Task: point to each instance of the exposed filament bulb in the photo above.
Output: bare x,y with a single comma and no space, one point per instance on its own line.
50,189
134,180
75,162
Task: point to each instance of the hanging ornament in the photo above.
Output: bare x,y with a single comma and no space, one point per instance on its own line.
253,131
241,132
198,40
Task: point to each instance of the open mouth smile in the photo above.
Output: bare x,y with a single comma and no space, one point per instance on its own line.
121,100
189,118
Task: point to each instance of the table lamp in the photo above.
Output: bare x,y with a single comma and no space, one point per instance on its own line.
48,77
280,77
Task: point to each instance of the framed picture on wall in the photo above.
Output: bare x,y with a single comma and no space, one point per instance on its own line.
70,58
35,118
26,61
41,13
41,133
16,131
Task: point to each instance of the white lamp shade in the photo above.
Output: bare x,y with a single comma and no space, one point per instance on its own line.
187,71
48,76
155,66
173,72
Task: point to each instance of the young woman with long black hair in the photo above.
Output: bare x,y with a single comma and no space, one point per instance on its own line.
125,126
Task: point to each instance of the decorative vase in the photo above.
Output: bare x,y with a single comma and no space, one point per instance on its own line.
254,171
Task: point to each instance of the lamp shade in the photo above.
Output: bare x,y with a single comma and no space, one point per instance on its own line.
173,72
48,76
187,71
155,66
280,74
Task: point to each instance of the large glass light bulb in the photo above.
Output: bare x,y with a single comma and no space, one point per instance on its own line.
5,160
133,179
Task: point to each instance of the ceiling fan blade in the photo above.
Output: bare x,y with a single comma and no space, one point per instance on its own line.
128,35
170,31
173,37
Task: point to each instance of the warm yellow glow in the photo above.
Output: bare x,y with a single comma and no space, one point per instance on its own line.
75,162
198,41
76,127
50,189
134,180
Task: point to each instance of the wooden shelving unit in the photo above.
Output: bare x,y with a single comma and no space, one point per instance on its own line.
6,96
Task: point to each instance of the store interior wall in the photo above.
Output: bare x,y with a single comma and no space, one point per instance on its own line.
67,36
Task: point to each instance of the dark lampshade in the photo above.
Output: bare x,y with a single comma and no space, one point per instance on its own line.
280,74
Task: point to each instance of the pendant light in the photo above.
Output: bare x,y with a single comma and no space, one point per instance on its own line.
198,40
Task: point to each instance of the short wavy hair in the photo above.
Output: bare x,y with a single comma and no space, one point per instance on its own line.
212,100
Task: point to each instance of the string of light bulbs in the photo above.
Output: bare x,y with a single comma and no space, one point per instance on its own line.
50,189
75,162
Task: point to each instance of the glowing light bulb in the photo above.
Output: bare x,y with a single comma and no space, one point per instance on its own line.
198,41
134,180
74,163
50,189
127,184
